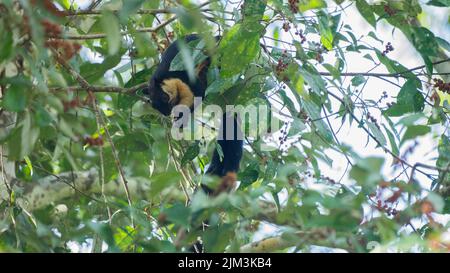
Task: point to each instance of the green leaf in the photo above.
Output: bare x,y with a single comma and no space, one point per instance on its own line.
178,214
296,79
411,119
424,41
443,160
367,173
374,36
111,27
358,80
7,43
220,85
326,35
314,113
17,94
95,71
439,3
377,133
125,101
15,99
129,7
237,49
253,11
42,116
415,131
443,43
334,72
409,99
163,181
437,201
217,237
249,175
297,126
23,138
192,152
145,46
312,77
105,232
366,12
190,55
395,67
305,5
391,137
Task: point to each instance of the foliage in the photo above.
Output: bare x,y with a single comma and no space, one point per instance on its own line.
72,77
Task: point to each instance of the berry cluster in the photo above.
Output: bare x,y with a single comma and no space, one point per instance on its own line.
426,207
65,48
48,5
91,141
395,196
442,86
388,49
435,98
51,29
303,115
292,181
373,120
286,26
253,226
328,179
242,9
302,37
282,64
409,151
384,96
389,10
284,134
293,6
385,208
390,104
71,104
320,49
319,57
386,205
308,174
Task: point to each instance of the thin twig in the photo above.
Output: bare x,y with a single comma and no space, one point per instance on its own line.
86,85
98,89
103,35
395,75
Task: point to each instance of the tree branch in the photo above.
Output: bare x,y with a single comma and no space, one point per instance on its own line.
99,12
276,243
103,35
98,89
54,188
140,11
86,85
394,75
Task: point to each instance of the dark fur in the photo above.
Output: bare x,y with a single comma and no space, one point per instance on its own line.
158,98
232,149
